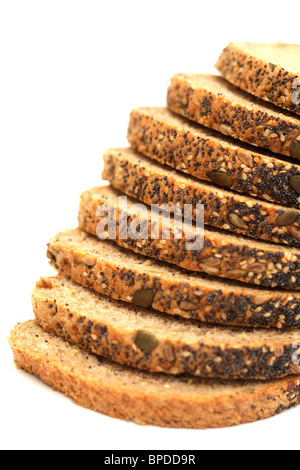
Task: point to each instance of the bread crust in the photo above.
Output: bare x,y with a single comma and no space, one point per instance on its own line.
177,142
261,78
241,259
139,177
120,333
120,275
161,405
232,114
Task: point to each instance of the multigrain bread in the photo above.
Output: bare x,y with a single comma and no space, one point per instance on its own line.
123,275
144,398
269,71
222,255
209,156
151,341
215,103
152,183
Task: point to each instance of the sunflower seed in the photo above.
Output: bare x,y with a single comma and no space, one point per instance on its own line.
246,158
187,305
237,221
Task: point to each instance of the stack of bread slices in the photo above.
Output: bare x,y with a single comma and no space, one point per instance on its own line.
149,330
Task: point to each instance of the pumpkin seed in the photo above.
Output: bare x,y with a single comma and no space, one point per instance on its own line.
295,183
287,218
146,341
143,298
272,66
220,178
295,149
237,221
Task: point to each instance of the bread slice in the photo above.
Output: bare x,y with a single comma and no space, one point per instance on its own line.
152,183
151,341
213,102
222,255
209,156
127,276
269,71
144,398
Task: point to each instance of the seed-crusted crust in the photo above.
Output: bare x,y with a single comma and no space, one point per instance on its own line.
200,152
121,274
213,102
151,183
236,258
146,340
144,398
243,65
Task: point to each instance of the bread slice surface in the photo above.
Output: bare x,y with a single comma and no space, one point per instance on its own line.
146,399
124,275
138,176
213,102
147,340
207,155
227,256
268,71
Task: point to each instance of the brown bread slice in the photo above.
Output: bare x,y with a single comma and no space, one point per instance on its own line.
222,255
127,276
145,398
209,156
152,183
213,102
152,341
269,71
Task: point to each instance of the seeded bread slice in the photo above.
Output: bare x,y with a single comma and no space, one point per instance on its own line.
127,276
269,71
152,183
145,398
222,255
213,102
206,155
152,341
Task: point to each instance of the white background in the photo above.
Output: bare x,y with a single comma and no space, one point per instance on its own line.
70,73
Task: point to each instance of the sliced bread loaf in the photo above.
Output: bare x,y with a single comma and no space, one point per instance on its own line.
269,71
145,398
213,102
152,341
209,156
152,183
127,276
222,255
